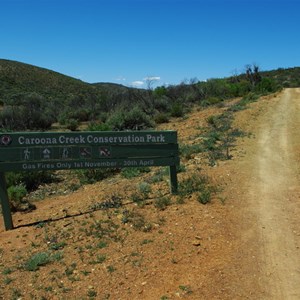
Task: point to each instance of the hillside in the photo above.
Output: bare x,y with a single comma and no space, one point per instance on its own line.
34,98
50,97
17,77
285,77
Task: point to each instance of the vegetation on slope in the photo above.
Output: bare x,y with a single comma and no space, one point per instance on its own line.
33,98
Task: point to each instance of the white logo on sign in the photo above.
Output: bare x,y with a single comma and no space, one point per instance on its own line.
65,153
104,151
46,153
26,153
85,152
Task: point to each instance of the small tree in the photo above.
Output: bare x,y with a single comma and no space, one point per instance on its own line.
253,74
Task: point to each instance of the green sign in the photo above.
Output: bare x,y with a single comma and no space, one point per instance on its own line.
30,151
50,139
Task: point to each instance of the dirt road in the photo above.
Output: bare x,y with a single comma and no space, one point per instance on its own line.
270,229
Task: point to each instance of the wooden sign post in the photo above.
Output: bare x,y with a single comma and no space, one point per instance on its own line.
33,151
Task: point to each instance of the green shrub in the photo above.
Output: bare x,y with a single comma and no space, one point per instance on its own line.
162,104
144,188
101,245
72,124
213,100
160,91
204,196
94,126
16,192
31,180
267,85
134,119
177,110
63,118
138,199
20,183
130,172
139,222
102,117
81,115
134,172
157,176
114,201
220,137
162,203
26,111
37,260
57,246
6,271
242,104
89,176
187,151
92,294
220,122
161,118
210,142
192,184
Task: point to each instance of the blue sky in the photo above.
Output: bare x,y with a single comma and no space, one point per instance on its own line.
128,41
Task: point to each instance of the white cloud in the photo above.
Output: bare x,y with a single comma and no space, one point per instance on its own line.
137,83
121,78
147,80
152,78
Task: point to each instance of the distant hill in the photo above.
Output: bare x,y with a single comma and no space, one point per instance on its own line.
17,77
285,77
33,98
58,96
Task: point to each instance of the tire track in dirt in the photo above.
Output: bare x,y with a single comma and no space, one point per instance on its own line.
275,196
